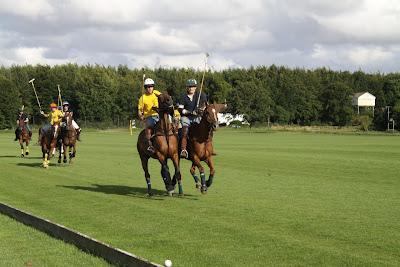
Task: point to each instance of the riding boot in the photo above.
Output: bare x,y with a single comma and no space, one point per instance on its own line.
150,147
16,135
184,153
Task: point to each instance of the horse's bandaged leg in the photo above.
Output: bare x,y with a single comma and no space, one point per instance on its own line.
203,178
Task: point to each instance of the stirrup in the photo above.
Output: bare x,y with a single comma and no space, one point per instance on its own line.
184,154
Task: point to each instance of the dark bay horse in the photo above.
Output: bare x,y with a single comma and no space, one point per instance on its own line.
200,145
68,139
165,142
24,137
48,141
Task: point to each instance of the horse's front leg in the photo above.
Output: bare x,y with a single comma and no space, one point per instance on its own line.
145,160
193,173
196,162
21,143
210,163
27,148
64,148
177,175
59,154
165,175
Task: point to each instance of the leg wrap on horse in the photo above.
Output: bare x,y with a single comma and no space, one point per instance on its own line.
196,178
203,178
166,177
210,181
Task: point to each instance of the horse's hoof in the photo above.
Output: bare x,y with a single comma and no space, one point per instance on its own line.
208,183
171,193
198,186
27,153
65,160
22,155
204,190
59,161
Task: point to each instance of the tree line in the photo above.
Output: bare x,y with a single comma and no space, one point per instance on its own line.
105,95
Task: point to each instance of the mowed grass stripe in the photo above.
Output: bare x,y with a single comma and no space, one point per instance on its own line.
279,199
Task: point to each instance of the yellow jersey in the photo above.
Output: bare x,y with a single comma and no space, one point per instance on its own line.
55,117
177,114
147,103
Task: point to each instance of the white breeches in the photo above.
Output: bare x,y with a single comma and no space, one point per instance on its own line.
75,125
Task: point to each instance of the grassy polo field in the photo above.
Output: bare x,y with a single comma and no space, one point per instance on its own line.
278,199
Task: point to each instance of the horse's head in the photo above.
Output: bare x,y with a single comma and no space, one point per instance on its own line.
21,122
68,118
165,102
211,111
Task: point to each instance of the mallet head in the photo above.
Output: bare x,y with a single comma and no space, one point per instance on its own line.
31,81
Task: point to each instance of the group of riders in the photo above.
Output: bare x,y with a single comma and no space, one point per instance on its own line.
55,121
187,111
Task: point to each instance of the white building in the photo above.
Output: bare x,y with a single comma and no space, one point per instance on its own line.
364,99
227,118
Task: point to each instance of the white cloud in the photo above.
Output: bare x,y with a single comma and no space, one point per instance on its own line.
26,8
346,34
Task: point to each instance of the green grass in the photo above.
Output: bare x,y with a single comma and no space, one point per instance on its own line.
279,199
21,245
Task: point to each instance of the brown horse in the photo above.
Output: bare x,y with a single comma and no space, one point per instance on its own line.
48,141
200,146
68,138
24,137
165,142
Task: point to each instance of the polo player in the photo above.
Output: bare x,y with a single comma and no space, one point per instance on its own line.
68,111
148,102
189,111
22,117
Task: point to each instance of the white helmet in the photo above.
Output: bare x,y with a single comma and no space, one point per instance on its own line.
148,82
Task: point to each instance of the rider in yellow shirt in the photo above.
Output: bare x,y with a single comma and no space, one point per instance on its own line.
54,116
146,110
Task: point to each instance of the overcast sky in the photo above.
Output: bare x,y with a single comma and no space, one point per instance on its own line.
342,34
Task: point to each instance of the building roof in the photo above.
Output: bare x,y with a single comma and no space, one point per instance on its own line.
357,95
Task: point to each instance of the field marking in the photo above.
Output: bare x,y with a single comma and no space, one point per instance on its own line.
83,242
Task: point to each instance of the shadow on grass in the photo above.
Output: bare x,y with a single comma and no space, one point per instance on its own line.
19,157
39,164
123,190
30,164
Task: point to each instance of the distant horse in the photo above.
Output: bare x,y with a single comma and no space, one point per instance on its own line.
200,146
24,137
165,142
68,139
48,141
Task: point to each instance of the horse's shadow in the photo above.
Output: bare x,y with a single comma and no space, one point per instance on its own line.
30,164
19,157
122,190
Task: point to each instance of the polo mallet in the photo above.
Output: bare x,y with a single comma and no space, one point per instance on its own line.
34,90
143,77
202,79
59,94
